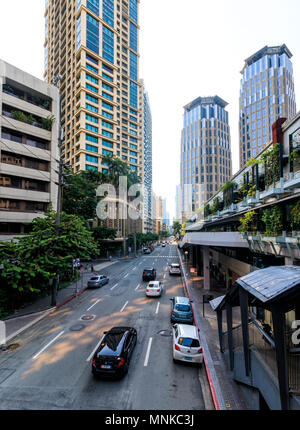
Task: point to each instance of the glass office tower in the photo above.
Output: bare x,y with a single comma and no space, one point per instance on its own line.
205,152
266,94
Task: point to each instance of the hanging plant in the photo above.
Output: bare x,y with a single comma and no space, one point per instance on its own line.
295,216
273,219
248,222
271,161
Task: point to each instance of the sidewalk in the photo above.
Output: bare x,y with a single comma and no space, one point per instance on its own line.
40,308
225,391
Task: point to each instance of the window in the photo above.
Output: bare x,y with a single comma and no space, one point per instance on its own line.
92,79
107,143
92,108
107,77
91,158
107,124
108,12
106,152
92,34
91,98
91,148
93,5
108,69
108,44
107,96
88,167
91,118
133,94
107,87
92,59
93,69
91,88
90,138
107,134
107,106
91,128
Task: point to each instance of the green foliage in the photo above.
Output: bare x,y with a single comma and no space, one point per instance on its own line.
248,222
271,162
207,211
252,162
176,227
164,233
30,262
228,189
215,206
104,232
295,216
273,219
48,122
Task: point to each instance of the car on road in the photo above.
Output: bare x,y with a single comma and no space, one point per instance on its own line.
147,251
181,310
174,269
163,245
97,281
154,289
186,344
113,356
149,274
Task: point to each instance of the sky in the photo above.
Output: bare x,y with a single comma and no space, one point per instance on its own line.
188,48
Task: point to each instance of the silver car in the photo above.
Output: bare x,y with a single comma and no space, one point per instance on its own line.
97,281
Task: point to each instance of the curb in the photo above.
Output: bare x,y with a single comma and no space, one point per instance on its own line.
217,403
71,298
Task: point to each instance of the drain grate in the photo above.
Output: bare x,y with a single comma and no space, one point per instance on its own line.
88,317
77,327
10,347
165,333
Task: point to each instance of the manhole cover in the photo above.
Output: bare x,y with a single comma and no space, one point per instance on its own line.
9,347
166,333
87,317
77,327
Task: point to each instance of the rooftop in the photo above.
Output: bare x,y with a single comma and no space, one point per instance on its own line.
268,50
202,101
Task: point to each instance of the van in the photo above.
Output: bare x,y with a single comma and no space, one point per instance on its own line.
181,310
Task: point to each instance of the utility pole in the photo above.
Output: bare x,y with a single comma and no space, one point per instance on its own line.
55,285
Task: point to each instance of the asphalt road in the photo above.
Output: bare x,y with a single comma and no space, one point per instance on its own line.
51,366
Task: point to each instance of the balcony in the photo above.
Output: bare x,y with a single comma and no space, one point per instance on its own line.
280,246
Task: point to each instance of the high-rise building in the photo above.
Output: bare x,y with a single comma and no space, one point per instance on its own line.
205,152
158,213
146,131
178,206
29,109
93,45
266,94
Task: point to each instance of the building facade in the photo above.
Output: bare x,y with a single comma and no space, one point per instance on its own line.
29,149
266,94
178,207
146,130
205,152
93,45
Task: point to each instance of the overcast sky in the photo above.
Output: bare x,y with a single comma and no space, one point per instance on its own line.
189,48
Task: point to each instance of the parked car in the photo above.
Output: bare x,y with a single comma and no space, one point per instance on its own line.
146,251
174,269
154,289
113,356
97,281
181,310
149,274
186,344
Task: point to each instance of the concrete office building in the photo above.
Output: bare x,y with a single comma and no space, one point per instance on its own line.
205,152
266,94
93,45
146,132
28,148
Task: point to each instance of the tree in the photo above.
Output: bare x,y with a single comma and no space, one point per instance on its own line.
176,227
32,261
79,197
103,232
164,233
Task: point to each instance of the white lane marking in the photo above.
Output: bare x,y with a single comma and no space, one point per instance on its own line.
134,268
148,352
124,307
166,268
48,344
137,287
93,305
157,307
114,287
126,275
165,276
94,350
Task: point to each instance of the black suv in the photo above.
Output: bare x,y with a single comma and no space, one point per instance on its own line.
114,353
149,274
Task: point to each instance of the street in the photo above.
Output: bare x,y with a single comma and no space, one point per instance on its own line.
51,366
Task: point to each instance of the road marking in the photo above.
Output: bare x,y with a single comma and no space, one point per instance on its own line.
93,305
157,307
134,268
137,287
126,275
48,344
94,350
148,352
124,307
114,287
165,276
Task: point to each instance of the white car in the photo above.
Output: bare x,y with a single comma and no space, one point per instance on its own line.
154,289
186,344
174,269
